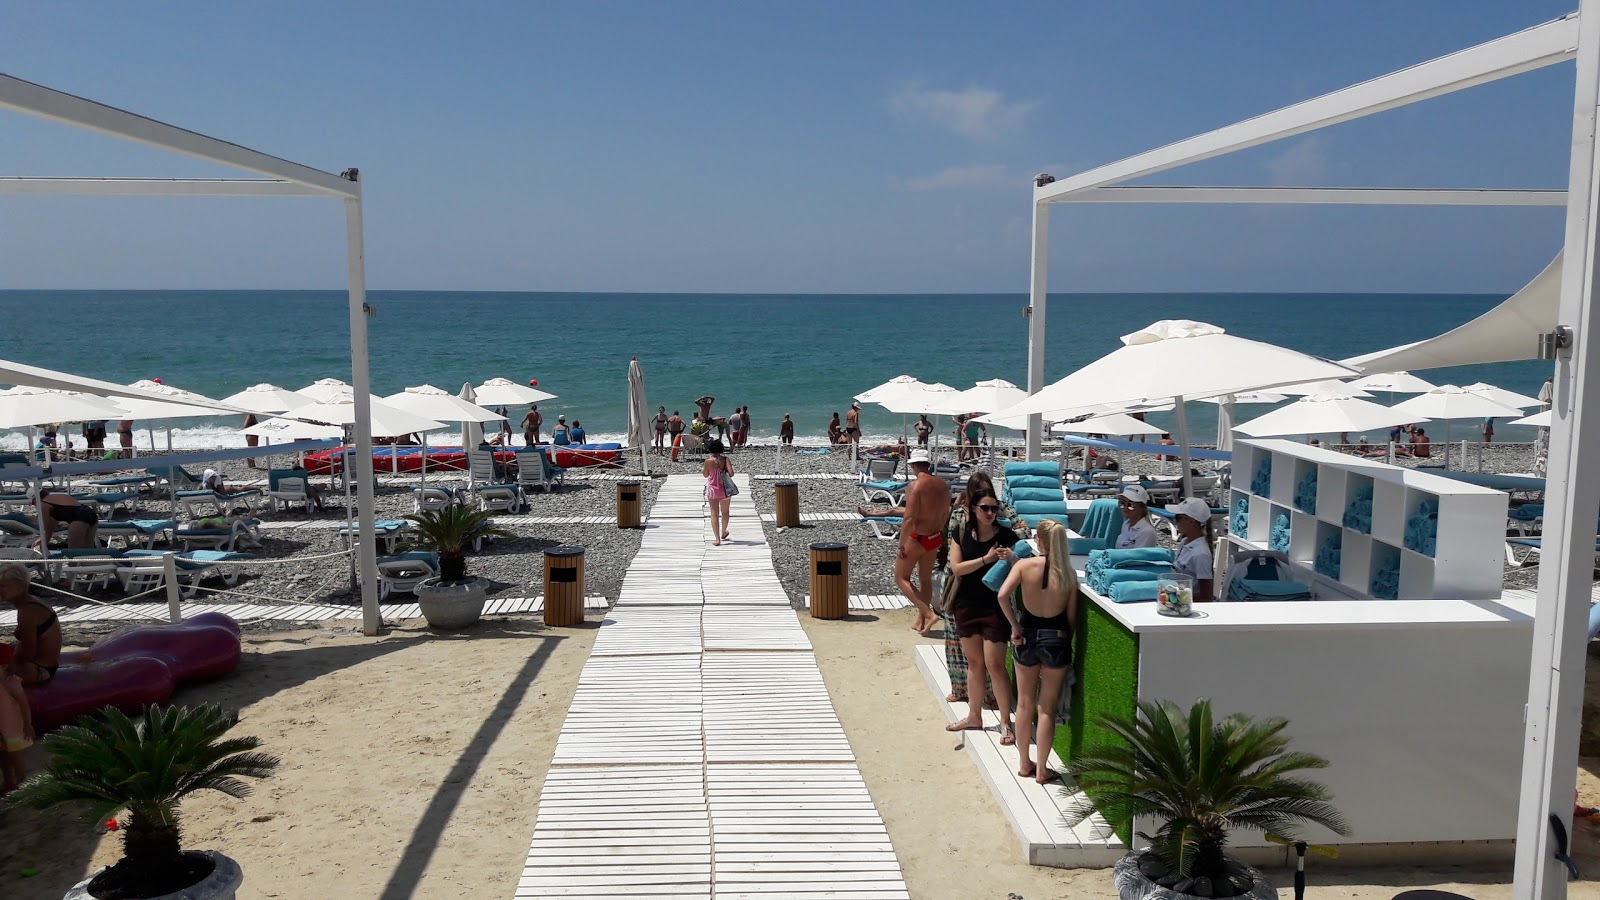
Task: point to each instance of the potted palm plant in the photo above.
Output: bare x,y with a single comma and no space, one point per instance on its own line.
452,600
1199,778
146,767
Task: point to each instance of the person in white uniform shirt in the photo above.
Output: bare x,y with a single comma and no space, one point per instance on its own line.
1192,517
1136,528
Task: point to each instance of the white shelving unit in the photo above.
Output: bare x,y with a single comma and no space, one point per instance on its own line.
1467,551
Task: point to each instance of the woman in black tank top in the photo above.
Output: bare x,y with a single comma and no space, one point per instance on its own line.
1043,635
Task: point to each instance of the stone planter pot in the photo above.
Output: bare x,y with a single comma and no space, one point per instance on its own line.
452,606
1133,884
222,884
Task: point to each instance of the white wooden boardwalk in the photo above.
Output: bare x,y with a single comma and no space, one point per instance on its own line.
701,757
156,613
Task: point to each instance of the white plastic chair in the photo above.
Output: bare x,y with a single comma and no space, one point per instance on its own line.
493,494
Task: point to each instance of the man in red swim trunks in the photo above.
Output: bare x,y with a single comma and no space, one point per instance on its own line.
921,533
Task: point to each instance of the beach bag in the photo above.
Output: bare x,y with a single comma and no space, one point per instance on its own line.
945,585
728,487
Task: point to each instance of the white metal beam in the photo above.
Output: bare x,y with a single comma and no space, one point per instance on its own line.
1534,48
157,187
37,100
1318,196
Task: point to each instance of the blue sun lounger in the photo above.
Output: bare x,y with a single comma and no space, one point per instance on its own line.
135,532
144,570
388,532
1532,548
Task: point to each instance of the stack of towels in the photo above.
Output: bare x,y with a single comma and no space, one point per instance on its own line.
1422,529
1358,515
1386,583
1127,576
1305,493
1261,485
1279,539
1328,556
1239,522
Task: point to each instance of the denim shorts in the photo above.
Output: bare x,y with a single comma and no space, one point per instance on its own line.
1048,647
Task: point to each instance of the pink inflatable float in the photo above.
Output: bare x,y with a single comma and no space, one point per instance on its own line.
136,668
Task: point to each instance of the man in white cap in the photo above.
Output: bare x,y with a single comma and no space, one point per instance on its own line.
921,533
1191,516
1136,528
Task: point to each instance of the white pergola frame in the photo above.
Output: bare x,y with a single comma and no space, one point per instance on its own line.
1555,691
282,179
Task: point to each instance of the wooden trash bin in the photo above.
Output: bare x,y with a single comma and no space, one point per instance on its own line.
563,586
786,495
628,493
830,581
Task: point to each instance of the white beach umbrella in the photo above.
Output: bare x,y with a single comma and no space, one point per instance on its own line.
293,430
387,421
1538,420
638,413
1392,383
1177,358
434,403
505,392
1326,412
266,398
892,387
471,431
1448,402
930,399
989,396
1323,387
23,375
23,407
324,389
1114,423
1502,396
1248,397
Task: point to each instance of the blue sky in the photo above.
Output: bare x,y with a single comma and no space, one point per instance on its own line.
765,147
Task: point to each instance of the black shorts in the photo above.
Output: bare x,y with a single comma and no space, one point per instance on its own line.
1048,647
70,514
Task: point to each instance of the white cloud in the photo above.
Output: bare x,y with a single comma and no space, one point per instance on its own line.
1303,165
978,114
958,178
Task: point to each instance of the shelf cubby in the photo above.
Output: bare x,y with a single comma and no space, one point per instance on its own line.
1355,569
1383,573
1331,487
1260,520
1303,494
1416,575
1327,559
1356,503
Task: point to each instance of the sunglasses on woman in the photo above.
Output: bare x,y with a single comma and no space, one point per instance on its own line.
989,508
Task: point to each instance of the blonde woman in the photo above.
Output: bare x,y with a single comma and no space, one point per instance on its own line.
1043,641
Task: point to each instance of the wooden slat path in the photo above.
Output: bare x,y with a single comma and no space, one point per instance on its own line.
701,756
828,476
1038,813
153,613
872,601
817,517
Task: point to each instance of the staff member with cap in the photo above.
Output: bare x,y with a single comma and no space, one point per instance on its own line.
1136,528
1192,518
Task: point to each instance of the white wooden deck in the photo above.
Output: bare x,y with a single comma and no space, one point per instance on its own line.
156,613
872,601
1038,813
701,757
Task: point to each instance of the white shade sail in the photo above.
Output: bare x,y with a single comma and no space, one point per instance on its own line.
1392,383
1116,423
1508,332
1178,357
22,407
1538,420
434,403
324,389
989,396
266,398
19,374
293,430
1326,412
505,392
1501,395
892,387
1451,402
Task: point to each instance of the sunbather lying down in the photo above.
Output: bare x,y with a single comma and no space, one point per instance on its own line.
225,523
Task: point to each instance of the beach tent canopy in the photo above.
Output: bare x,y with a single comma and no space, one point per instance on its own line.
266,398
325,389
434,403
989,396
1115,423
889,388
505,392
1508,332
1391,383
23,407
1501,395
1448,401
1178,357
1325,412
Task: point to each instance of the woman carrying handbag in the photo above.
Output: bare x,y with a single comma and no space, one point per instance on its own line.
719,488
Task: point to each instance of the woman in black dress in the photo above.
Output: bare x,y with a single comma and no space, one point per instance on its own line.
983,629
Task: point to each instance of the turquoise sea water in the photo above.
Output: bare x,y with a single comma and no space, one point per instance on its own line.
798,354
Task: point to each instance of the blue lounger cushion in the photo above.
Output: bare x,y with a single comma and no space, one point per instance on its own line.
1050,469
143,526
1033,493
85,553
1134,592
384,525
1033,482
1040,507
427,556
892,485
192,559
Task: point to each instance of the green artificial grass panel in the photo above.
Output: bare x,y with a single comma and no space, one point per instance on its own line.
1107,682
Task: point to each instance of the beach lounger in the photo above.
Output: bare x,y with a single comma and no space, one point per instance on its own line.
891,491
286,486
884,528
176,477
135,532
17,530
106,502
85,568
144,570
125,482
388,531
492,493
1525,518
402,574
218,537
203,504
432,498
880,469
1532,549
535,469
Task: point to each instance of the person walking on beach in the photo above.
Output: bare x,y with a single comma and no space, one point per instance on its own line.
660,425
675,428
744,425
94,438
921,533
125,438
714,468
530,425
1488,430
735,428
961,437
924,429
786,431
852,423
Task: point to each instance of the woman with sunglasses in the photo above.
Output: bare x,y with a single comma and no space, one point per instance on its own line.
954,659
1136,528
1043,634
980,623
1192,518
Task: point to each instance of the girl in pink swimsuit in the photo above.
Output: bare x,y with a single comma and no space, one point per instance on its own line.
715,495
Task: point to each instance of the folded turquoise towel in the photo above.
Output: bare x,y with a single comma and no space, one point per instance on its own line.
1133,592
1115,557
998,572
1114,577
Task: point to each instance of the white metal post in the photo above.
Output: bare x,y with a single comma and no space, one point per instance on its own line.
1183,446
1555,684
169,570
1036,320
366,549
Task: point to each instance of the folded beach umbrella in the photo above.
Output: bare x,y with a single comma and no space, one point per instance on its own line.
1503,396
1177,358
1538,420
24,407
892,387
266,398
638,413
989,396
505,392
1325,412
471,431
1115,423
1392,383
324,389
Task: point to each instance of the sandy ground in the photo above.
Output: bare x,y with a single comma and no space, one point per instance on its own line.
953,841
412,766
